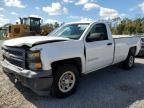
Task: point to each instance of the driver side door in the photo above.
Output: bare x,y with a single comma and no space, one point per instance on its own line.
99,48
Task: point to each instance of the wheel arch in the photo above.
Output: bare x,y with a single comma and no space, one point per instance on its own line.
74,61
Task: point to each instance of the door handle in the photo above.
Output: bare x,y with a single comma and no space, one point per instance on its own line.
109,44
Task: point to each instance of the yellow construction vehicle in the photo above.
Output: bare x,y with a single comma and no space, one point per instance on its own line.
28,26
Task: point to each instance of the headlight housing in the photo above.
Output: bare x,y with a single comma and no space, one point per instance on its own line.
34,61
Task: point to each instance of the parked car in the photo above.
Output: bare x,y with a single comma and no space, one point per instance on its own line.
54,63
141,53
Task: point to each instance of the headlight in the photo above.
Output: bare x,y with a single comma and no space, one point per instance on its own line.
34,61
33,56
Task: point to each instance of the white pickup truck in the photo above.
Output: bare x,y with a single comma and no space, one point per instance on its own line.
54,63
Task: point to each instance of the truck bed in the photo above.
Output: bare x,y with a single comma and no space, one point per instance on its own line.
122,45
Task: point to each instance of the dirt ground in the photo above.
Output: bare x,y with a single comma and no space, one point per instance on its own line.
111,87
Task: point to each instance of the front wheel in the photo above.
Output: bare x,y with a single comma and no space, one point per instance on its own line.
129,62
65,81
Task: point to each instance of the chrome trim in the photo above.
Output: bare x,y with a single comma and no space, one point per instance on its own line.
16,56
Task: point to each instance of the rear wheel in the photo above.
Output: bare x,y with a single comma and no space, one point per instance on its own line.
65,81
129,62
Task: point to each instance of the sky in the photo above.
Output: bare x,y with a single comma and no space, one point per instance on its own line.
70,10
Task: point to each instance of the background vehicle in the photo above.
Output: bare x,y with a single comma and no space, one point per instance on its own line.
56,62
28,26
2,32
141,53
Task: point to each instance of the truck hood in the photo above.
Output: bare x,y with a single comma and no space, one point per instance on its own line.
32,40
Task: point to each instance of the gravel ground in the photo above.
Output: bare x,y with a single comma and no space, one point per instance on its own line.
111,87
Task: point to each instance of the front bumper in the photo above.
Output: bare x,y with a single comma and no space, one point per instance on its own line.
40,82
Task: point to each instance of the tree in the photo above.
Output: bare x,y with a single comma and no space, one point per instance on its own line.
56,25
128,26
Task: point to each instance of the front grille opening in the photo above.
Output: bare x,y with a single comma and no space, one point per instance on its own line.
15,56
15,62
17,53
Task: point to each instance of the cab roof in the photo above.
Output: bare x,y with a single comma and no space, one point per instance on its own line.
32,17
84,22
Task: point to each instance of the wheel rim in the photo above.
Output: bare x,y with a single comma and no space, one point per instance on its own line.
131,60
66,81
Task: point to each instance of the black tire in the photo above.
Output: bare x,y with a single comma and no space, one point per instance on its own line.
58,72
129,62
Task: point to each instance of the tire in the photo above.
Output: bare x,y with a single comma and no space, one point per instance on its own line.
129,62
62,85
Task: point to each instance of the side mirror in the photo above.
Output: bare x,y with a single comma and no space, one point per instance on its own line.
94,37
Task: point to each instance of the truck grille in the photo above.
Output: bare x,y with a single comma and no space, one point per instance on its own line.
18,63
14,52
15,56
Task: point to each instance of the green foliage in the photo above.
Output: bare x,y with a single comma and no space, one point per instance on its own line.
128,26
51,26
56,25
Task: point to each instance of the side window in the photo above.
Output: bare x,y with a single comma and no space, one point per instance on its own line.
97,33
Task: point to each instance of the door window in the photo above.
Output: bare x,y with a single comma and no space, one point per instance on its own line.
97,33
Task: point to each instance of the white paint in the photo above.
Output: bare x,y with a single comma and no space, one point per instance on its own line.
29,41
98,54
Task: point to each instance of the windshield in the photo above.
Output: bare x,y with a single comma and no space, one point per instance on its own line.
26,21
71,31
35,22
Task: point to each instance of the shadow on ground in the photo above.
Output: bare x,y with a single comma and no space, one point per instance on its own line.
111,87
